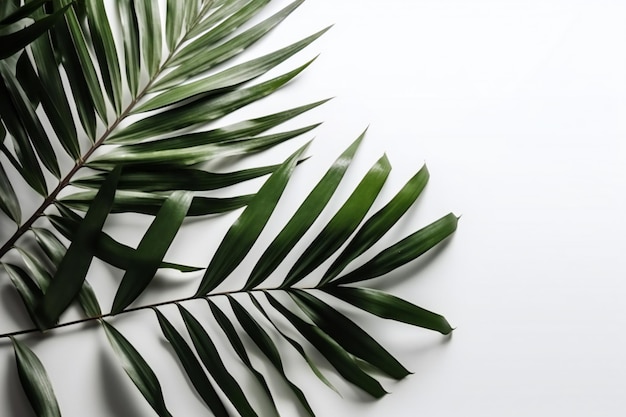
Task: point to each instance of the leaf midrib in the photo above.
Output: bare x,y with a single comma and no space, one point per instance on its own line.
152,306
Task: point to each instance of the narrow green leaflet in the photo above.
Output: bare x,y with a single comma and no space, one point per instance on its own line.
174,20
9,203
151,179
147,203
137,369
269,349
86,62
337,356
145,153
202,111
28,79
404,251
77,80
244,232
152,248
227,26
210,357
50,244
106,52
341,226
35,381
390,307
304,217
377,225
108,249
150,29
52,95
227,79
27,289
350,336
30,121
297,346
192,367
16,41
72,270
86,297
211,57
130,27
28,166
233,337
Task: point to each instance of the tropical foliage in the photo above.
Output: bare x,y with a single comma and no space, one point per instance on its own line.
116,107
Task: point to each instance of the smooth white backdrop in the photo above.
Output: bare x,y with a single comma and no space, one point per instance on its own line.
517,108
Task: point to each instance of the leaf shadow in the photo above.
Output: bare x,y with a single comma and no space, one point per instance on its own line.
120,401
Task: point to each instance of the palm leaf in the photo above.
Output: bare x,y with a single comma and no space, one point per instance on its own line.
149,152
16,41
192,367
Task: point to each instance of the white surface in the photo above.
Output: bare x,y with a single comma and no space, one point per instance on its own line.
518,109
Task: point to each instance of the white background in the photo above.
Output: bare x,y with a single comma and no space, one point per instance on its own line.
517,107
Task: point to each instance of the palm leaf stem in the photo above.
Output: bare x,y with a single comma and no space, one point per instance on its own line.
152,306
65,181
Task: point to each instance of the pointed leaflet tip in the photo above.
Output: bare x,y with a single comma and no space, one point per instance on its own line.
247,228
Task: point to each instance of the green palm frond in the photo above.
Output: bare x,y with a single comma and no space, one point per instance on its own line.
85,134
